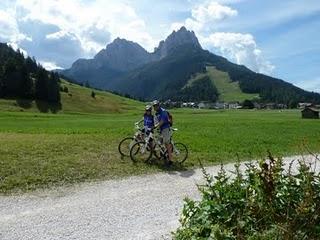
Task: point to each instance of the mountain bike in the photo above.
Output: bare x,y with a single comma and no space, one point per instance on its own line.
142,151
126,143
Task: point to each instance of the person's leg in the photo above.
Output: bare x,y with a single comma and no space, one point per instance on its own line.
167,142
169,149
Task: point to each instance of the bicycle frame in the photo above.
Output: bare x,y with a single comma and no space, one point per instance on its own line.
139,135
163,149
153,145
147,139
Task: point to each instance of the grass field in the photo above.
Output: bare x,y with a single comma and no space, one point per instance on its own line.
39,150
229,91
77,100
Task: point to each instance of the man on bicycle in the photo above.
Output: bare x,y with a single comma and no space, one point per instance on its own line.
164,126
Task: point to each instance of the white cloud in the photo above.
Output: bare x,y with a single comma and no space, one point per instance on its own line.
205,16
76,27
63,42
310,85
82,28
236,47
212,11
58,35
49,65
90,21
239,48
16,47
9,31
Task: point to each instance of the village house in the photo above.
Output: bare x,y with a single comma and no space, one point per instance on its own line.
189,105
234,105
309,112
206,105
270,106
220,105
304,105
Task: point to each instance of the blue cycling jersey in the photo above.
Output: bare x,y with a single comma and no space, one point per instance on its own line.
162,115
148,121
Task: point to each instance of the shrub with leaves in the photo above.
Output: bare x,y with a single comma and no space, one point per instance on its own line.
265,201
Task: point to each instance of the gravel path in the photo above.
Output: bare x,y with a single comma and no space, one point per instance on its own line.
144,207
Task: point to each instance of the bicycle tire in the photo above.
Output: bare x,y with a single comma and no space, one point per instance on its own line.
124,147
140,155
182,154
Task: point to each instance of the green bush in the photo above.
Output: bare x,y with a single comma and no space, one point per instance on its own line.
265,201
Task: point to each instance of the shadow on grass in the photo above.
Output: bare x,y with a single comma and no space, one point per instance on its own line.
24,103
45,107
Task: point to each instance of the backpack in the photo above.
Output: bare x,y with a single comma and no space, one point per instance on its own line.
170,118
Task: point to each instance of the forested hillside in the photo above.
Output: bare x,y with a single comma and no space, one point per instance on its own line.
22,77
166,79
166,72
269,89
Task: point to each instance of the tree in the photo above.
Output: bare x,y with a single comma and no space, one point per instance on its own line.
31,65
41,85
24,78
26,88
65,89
11,78
247,104
53,89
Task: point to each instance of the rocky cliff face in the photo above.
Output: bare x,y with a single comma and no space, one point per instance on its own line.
122,55
176,39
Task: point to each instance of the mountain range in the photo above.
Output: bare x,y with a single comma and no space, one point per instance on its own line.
178,70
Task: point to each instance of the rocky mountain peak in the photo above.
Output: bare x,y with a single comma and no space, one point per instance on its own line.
176,39
123,55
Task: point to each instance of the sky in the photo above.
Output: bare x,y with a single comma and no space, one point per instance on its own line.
277,38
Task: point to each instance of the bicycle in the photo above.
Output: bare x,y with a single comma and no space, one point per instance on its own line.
142,151
126,143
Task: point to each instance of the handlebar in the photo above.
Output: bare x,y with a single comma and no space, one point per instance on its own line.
136,125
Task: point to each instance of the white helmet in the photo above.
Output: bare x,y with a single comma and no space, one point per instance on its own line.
155,102
148,107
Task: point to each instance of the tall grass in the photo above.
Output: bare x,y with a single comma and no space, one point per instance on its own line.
268,201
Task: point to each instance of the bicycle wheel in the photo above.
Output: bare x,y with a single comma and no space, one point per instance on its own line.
140,152
125,145
179,152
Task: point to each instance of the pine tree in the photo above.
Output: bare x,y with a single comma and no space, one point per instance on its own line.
26,88
31,65
10,78
53,89
41,85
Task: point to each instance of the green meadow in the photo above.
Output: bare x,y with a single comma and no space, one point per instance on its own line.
40,150
229,91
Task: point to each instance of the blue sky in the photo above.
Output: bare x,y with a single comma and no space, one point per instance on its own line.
278,38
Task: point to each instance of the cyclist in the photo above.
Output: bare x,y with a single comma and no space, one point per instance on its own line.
148,120
164,126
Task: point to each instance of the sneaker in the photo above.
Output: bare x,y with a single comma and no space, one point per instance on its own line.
169,163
